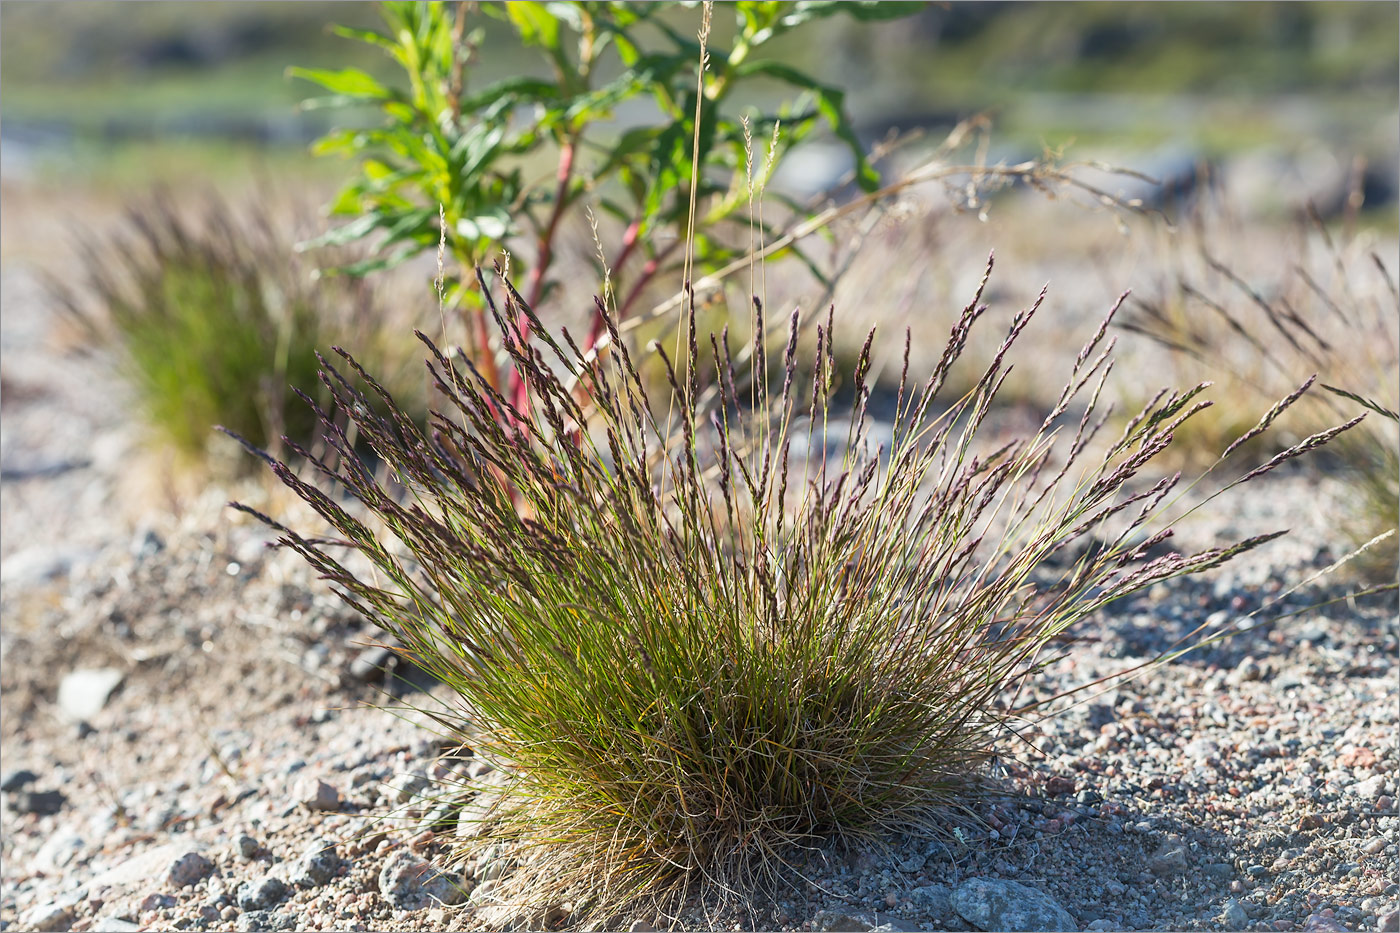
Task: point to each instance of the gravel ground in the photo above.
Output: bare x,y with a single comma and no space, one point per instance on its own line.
188,742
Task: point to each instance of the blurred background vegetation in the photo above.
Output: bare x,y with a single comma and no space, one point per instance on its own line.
126,91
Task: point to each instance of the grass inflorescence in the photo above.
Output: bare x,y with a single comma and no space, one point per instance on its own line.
700,639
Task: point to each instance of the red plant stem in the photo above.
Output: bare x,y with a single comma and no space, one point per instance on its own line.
535,290
648,273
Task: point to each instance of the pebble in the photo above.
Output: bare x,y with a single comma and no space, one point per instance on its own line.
994,904
1233,916
83,693
318,865
1370,788
410,883
1384,804
1375,846
1318,923
261,893
17,780
190,868
1389,922
404,787
1170,857
156,901
40,803
47,918
318,795
913,863
247,846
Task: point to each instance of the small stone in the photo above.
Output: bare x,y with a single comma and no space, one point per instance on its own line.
247,846
17,780
262,921
318,865
1170,857
409,883
370,663
1088,797
935,900
228,913
1369,788
994,904
1375,846
1389,922
404,787
40,803
83,693
261,893
318,795
1234,917
641,926
913,863
1311,821
1317,923
1057,786
1219,870
156,902
190,868
1248,670
845,920
114,924
1384,804
47,918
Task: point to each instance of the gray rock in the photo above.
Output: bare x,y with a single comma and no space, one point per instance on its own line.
409,883
83,693
851,919
993,904
913,863
1170,857
371,663
190,868
936,900
260,894
17,780
1233,916
114,924
40,803
404,787
47,918
247,846
262,921
318,795
318,865
40,564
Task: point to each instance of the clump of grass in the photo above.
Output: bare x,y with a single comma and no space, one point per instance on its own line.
698,637
1329,312
216,319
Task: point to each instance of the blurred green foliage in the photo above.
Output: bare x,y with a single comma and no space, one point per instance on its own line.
445,141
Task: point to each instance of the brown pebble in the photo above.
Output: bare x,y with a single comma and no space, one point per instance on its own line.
1384,804
1311,821
890,899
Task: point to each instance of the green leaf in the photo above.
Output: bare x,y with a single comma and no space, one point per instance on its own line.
351,82
830,102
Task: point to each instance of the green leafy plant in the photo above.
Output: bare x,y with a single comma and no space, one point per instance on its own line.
695,635
216,321
450,153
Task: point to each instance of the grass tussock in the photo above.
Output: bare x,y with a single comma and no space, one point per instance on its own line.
216,319
700,635
1328,312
